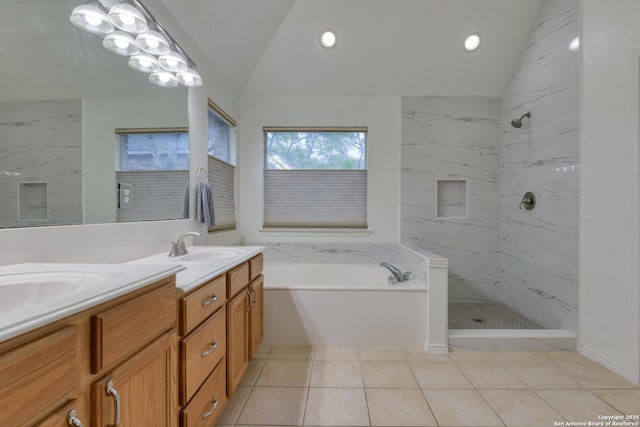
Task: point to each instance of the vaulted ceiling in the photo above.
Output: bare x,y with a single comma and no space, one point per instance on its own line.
386,47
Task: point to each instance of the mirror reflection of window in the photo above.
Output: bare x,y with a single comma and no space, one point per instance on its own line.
152,174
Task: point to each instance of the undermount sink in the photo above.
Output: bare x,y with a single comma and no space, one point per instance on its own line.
35,288
208,254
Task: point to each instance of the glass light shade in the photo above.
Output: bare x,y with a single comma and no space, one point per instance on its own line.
164,79
145,63
575,44
121,43
189,78
153,42
128,18
173,62
91,18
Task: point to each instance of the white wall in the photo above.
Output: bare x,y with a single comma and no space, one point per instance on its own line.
609,215
382,116
540,246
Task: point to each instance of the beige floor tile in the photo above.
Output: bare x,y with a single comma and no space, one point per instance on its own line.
490,375
577,405
461,408
274,405
262,353
439,375
336,407
336,353
291,373
336,373
399,407
522,408
389,354
593,375
472,356
625,401
291,353
519,356
542,376
234,406
417,354
388,375
252,373
565,356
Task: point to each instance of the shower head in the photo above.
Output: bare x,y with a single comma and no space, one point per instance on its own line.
517,123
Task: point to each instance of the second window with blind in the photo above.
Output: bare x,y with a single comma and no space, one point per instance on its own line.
315,177
221,168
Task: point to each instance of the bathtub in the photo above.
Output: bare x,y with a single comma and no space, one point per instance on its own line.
323,304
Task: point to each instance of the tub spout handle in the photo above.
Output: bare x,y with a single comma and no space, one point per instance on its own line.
406,275
392,280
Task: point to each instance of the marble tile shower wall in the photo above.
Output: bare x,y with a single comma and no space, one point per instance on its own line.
454,139
41,142
540,247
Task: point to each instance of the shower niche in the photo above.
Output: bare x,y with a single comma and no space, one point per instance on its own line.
452,200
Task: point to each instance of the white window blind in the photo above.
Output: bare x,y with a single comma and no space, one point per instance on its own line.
315,198
222,180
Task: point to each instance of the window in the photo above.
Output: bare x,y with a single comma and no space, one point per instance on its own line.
315,177
221,171
153,149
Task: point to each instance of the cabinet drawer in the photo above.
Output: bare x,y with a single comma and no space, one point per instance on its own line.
200,352
207,405
42,376
197,306
256,264
237,279
126,328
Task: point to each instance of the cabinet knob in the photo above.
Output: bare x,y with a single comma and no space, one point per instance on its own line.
73,420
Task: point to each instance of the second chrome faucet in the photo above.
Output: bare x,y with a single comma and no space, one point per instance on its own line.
178,248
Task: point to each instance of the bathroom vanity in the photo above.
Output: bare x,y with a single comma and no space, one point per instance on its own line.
157,348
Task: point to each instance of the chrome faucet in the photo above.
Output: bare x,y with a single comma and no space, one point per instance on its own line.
178,248
397,275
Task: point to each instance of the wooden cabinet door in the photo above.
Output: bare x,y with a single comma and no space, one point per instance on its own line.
257,314
145,386
237,339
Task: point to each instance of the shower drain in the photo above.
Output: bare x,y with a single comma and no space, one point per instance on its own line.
477,320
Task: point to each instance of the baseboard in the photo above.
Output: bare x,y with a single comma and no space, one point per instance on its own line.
608,363
436,348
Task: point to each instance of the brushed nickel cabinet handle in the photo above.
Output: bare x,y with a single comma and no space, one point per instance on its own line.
111,391
210,350
73,420
209,301
212,409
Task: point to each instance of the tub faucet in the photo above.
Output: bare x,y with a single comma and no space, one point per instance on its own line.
178,248
397,275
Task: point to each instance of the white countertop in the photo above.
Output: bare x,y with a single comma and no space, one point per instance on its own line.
201,271
36,294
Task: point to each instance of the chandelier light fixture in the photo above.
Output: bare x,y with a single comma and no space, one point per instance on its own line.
129,29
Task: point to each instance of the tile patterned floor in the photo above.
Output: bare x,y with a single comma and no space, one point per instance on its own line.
384,386
487,316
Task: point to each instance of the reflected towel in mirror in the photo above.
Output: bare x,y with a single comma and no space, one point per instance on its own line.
204,204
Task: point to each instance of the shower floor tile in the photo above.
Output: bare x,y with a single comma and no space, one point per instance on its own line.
487,316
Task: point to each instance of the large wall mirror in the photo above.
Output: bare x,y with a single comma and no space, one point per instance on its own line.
84,138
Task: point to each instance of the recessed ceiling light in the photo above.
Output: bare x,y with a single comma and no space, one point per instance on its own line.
328,39
472,42
575,44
